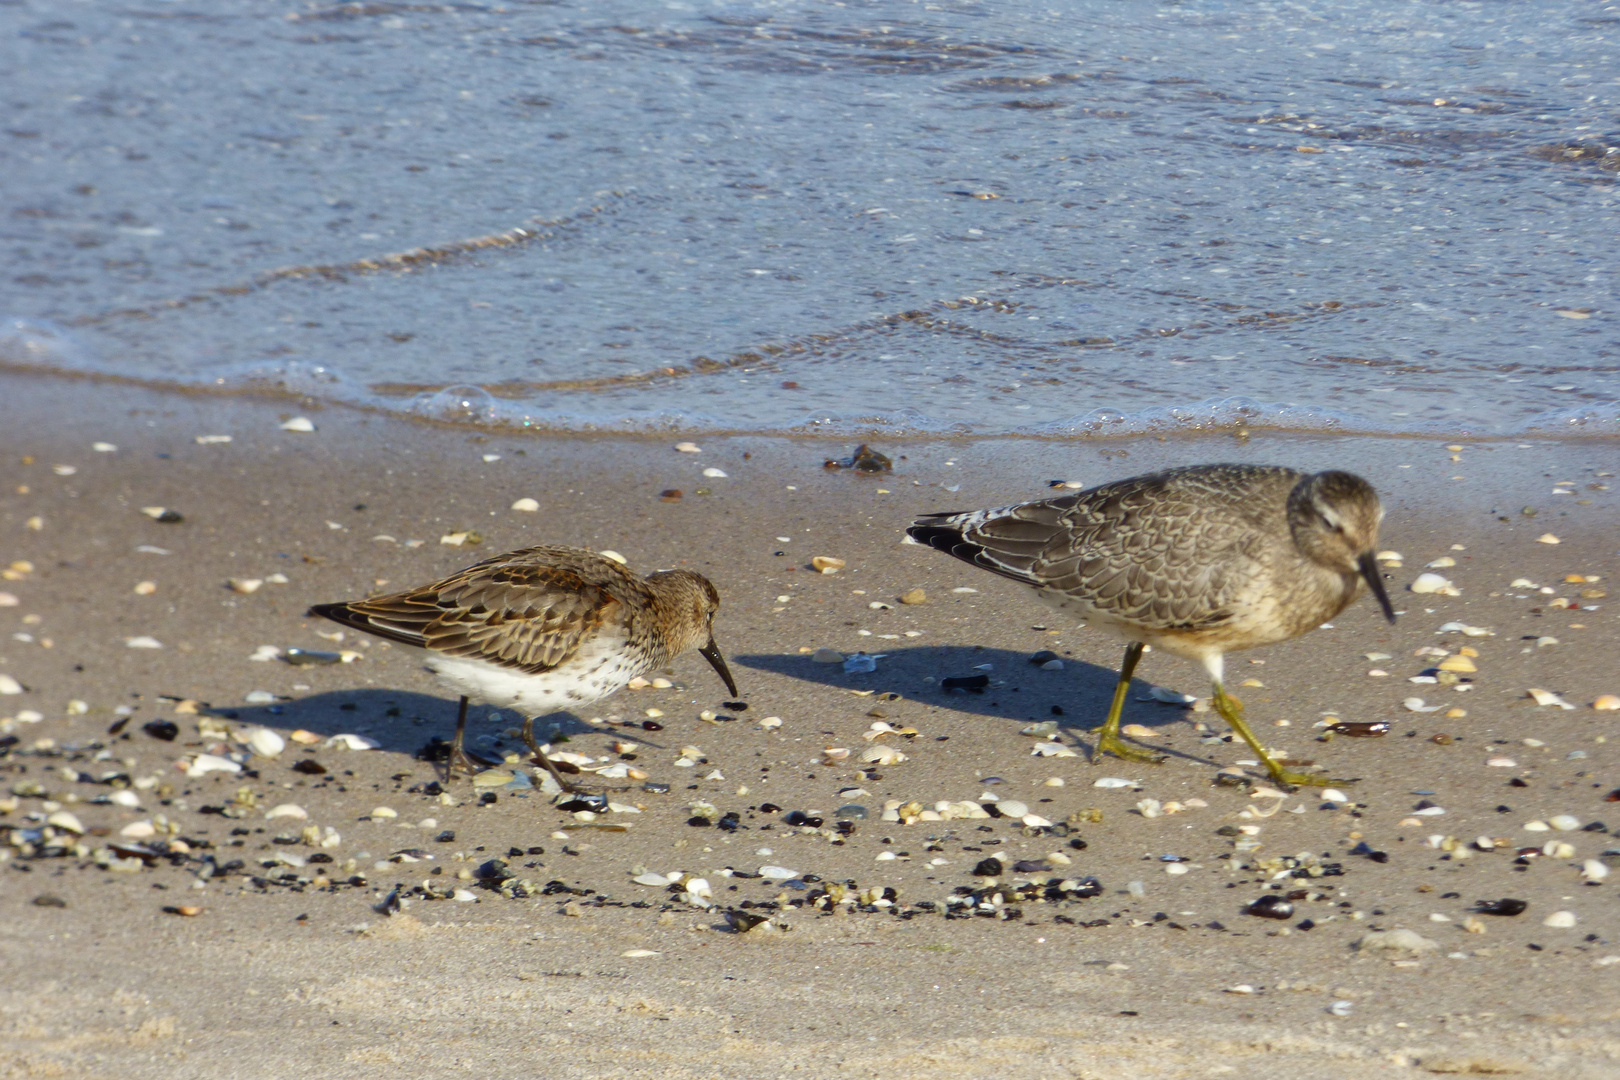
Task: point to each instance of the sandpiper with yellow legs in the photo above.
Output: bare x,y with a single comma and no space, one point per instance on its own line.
1197,561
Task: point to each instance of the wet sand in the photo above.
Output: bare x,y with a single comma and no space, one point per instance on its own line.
299,979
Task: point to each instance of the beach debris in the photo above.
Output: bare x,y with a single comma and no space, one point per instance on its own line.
1415,704
204,764
1560,920
1547,697
670,495
1548,538
1507,907
914,596
714,474
464,538
244,586
828,564
865,460
1464,629
1169,697
266,743
1270,906
163,515
143,641
1606,703
689,448
1434,583
298,423
1406,941
212,440
349,741
526,506
862,663
9,685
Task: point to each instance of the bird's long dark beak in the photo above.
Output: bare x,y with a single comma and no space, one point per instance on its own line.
711,653
1375,582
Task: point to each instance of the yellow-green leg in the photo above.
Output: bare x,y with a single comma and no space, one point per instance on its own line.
1231,710
1108,741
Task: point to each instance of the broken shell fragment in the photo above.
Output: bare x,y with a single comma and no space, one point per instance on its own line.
827,564
1547,697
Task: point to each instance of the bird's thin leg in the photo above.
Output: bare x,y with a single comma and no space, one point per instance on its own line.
1108,740
1231,710
551,767
457,758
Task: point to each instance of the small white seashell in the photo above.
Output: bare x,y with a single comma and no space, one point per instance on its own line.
259,697
771,722
1465,630
245,586
1547,697
1433,583
1051,749
1149,808
1547,538
203,764
1608,702
1170,697
62,819
349,741
212,440
1396,941
265,653
1558,849
138,830
777,873
1415,704
1442,563
143,642
8,685
527,506
287,809
656,881
1112,782
1502,763
689,448
615,556
714,474
298,423
1334,795
1536,826
1560,920
1430,811
266,743
104,447
1564,822
384,812
637,954
1035,821
1594,870
125,797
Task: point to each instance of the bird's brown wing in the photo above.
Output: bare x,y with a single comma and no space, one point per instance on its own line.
513,612
1134,550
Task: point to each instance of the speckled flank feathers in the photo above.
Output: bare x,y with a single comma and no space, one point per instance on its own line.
1197,561
544,629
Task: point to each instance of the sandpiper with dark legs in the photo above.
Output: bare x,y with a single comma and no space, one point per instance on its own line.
1198,561
543,630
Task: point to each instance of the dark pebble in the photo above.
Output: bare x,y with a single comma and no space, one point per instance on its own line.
161,729
730,821
1030,866
1271,906
47,900
1045,656
975,684
988,868
651,725
699,822
1505,906
736,706
1357,729
769,808
309,767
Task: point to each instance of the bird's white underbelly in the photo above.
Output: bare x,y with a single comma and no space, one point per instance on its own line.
597,670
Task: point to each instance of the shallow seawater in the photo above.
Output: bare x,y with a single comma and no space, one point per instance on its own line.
973,218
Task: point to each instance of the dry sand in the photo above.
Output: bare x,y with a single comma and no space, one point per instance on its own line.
295,980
